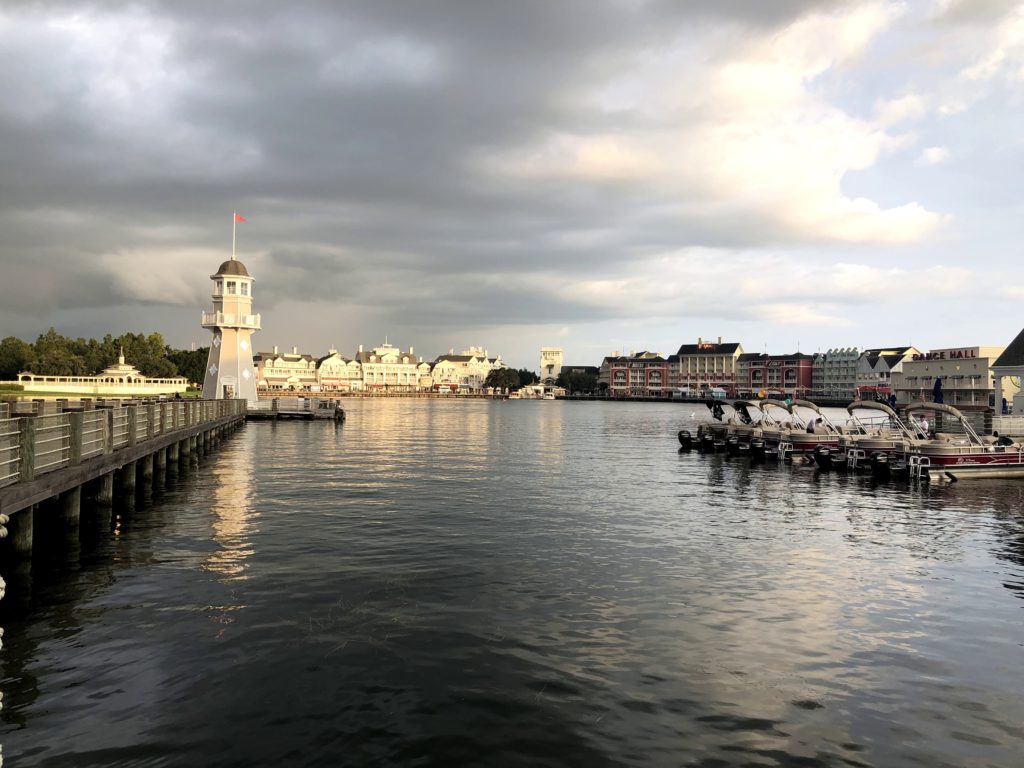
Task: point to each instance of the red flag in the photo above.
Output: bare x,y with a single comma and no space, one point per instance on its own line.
239,217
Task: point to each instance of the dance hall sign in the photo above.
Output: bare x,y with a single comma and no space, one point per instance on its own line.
960,353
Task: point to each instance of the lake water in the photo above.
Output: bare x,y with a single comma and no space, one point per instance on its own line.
474,583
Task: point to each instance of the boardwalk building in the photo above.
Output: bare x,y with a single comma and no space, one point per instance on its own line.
639,374
703,366
388,368
286,371
965,372
465,372
875,368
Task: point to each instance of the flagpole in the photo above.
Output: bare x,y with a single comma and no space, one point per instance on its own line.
234,228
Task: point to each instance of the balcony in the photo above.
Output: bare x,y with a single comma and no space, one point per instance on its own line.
223,320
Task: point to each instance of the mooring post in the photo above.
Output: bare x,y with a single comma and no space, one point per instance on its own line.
27,448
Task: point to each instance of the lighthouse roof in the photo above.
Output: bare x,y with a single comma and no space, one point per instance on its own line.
233,267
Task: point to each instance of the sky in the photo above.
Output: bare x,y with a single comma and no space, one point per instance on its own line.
600,176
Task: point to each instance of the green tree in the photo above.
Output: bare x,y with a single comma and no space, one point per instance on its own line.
15,356
577,382
527,377
191,363
55,356
147,353
502,378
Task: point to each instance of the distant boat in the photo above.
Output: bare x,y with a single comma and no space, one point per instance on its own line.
549,396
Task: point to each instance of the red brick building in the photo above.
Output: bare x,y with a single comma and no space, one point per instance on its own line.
788,375
643,374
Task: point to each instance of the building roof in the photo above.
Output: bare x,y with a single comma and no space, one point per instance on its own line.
233,267
709,348
581,369
748,356
1013,355
891,355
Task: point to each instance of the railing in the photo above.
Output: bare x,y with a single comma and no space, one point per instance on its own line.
94,433
53,443
10,451
1008,425
230,319
57,440
120,429
141,424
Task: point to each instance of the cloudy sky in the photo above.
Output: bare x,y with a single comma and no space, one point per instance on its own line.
600,176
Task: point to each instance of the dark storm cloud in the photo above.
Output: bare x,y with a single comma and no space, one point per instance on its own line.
350,135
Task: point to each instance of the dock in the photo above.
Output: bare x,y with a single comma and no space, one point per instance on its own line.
54,453
296,408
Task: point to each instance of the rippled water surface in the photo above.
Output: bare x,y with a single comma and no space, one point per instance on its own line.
477,583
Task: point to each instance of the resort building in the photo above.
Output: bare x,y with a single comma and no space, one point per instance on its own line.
550,364
1008,371
965,372
704,366
289,371
465,372
875,368
388,368
776,375
118,379
639,374
335,373
834,374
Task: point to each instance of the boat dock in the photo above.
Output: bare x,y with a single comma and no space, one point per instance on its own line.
296,408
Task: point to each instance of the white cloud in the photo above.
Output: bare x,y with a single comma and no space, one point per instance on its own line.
1004,56
933,155
743,132
907,108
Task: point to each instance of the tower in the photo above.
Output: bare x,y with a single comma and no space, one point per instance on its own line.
550,364
229,370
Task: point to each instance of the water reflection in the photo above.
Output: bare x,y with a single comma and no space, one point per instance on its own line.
233,517
466,583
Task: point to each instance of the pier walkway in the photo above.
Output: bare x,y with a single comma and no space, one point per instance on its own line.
51,451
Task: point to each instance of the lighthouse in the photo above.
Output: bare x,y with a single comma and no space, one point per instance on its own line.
230,373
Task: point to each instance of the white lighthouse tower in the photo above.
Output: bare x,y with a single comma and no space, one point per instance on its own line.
230,372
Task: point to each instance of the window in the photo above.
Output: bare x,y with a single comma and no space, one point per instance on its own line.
218,287
245,289
231,287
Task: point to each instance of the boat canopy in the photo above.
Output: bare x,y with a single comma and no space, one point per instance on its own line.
776,404
872,405
939,407
806,404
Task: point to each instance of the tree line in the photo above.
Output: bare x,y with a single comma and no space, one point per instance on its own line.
53,354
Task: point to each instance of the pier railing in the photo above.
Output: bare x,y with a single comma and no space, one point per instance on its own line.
37,437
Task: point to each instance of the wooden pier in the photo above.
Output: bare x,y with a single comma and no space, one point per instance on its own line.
303,408
50,453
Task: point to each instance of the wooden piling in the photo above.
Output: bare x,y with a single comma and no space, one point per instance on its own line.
71,507
19,530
